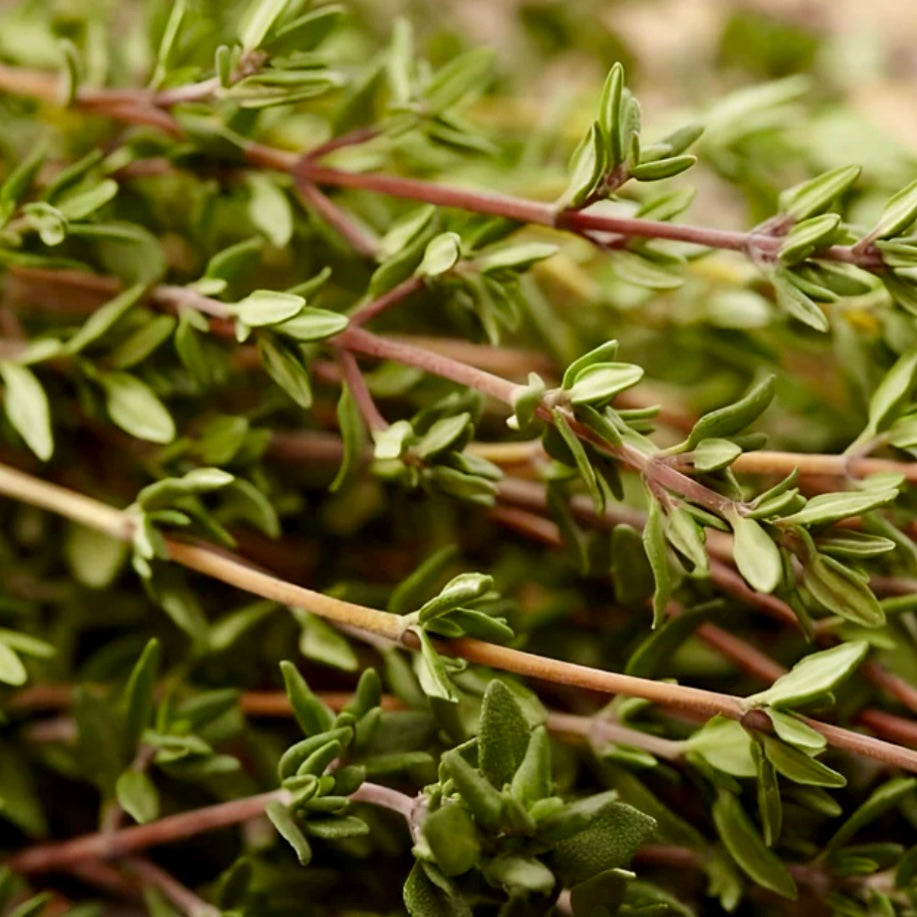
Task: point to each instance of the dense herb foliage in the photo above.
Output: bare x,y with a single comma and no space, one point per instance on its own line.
387,518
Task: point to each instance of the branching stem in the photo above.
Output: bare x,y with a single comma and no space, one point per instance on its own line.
222,566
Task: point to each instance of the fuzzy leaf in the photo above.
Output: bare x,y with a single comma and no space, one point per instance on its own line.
504,734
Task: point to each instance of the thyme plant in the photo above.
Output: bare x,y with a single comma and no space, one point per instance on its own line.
388,518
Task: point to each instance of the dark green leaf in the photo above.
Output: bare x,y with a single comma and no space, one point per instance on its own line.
286,826
453,838
504,734
654,542
746,847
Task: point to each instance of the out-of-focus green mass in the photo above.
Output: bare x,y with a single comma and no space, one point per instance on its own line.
456,458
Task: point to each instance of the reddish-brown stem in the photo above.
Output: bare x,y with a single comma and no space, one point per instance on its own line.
368,311
130,840
500,389
361,394
359,239
141,106
351,138
182,897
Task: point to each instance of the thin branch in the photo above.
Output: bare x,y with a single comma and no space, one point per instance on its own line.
182,897
121,843
368,311
599,729
359,239
228,569
140,106
361,394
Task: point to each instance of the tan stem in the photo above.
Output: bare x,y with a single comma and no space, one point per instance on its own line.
230,570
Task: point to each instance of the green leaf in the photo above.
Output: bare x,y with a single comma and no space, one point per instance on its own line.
282,819
270,211
770,807
460,590
587,166
311,714
532,779
808,236
841,591
824,508
353,436
167,491
136,794
337,828
602,894
292,760
733,418
267,307
138,692
799,767
809,197
600,382
445,433
463,76
812,676
899,213
423,898
756,556
610,112
519,257
305,32
642,271
104,318
258,19
725,745
654,545
714,453
432,673
884,798
794,731
12,671
662,168
321,642
285,364
18,181
747,849
82,203
609,839
518,872
441,255
143,342
26,405
409,593
313,324
580,458
453,839
687,537
795,303
230,263
132,405
477,792
504,734
604,353
891,395
406,231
